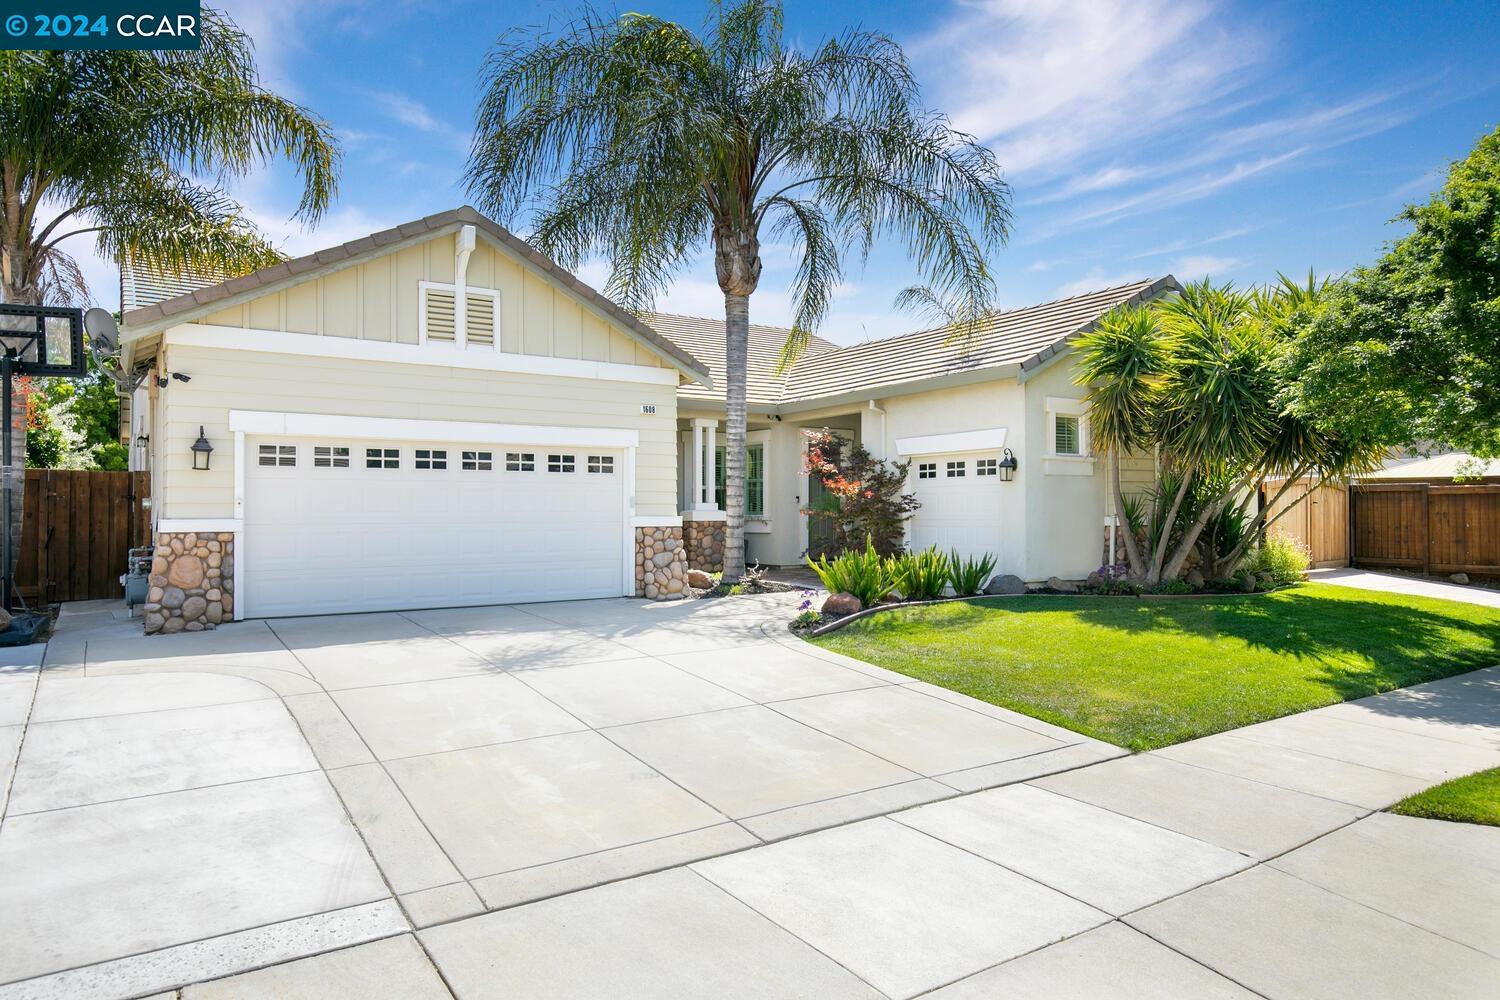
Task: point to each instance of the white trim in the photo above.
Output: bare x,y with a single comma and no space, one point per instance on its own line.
456,431
654,521
215,524
989,439
628,542
705,515
239,539
1059,464
310,345
463,246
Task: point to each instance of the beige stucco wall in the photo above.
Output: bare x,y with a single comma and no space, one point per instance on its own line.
224,380
1065,530
378,300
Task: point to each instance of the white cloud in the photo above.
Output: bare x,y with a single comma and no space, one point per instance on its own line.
1096,279
1058,79
414,114
1198,266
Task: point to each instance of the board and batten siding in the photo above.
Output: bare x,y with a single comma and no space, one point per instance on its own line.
224,380
379,300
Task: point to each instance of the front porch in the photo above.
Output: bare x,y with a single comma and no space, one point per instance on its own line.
777,489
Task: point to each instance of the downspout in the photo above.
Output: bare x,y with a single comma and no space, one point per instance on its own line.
464,246
880,451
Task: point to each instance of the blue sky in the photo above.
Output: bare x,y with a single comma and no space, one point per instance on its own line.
1140,138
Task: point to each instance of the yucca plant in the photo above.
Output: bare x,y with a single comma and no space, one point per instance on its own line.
919,576
968,576
861,573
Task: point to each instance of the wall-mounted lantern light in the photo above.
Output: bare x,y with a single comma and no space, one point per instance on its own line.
1008,466
201,451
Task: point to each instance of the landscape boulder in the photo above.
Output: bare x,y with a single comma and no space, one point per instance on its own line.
1005,583
1062,586
699,580
1460,578
4,619
839,605
1195,579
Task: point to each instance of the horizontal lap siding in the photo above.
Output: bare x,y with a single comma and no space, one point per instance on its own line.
230,380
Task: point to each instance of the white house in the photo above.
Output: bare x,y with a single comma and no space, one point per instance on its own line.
438,415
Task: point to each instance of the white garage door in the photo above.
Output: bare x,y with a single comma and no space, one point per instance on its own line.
963,504
345,525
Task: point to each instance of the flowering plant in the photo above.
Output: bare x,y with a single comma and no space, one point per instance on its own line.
862,495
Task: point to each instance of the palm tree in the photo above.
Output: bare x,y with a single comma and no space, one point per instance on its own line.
636,139
114,143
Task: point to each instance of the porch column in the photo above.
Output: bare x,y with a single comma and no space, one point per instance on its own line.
705,472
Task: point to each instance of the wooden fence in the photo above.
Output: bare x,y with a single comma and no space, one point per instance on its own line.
76,528
1320,521
1427,528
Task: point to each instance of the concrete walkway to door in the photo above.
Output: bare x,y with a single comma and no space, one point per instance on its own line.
615,799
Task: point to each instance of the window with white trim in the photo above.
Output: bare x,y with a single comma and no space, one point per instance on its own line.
926,470
755,479
520,461
987,467
282,455
330,457
559,463
602,464
427,458
956,470
478,461
1067,436
382,458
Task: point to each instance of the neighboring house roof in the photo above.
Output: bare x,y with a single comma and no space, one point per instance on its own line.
1006,345
1447,466
141,324
704,338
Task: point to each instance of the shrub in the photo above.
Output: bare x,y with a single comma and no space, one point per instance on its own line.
863,498
1284,560
919,576
862,574
967,577
1177,585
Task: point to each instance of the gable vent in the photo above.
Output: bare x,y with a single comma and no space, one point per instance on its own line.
479,319
440,324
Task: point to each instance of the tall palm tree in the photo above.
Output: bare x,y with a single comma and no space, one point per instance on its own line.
637,139
118,144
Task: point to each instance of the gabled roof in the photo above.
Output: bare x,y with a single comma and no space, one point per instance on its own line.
704,338
1008,344
142,323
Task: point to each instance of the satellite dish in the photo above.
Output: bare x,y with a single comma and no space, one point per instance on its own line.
100,324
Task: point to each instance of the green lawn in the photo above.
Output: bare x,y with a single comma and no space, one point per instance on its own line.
1149,673
1474,798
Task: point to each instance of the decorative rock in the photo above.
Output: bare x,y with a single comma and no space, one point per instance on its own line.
173,597
153,596
1264,581
1247,583
215,612
1195,579
215,559
159,566
699,580
841,604
186,571
1005,584
154,620
1462,579
176,547
1059,584
172,625
213,595
1094,579
193,608
193,627
4,619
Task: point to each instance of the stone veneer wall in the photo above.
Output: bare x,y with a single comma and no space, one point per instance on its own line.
660,563
192,582
705,544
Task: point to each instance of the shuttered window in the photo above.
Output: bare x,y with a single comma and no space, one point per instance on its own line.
479,319
438,320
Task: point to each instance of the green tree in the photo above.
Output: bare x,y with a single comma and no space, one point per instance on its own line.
1200,378
110,143
1410,346
639,140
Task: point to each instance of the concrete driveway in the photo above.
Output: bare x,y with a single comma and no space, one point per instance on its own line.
616,799
481,757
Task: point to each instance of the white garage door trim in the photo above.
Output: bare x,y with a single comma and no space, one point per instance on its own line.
309,425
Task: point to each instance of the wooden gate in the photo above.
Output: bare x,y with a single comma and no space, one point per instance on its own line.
1428,528
76,528
1320,521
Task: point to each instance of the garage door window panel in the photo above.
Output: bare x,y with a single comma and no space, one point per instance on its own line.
478,461
957,470
330,457
382,458
560,463
430,459
520,461
278,455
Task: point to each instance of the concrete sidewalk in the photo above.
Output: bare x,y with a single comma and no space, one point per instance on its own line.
1400,583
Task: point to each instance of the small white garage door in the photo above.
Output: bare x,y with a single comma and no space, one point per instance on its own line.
963,504
345,525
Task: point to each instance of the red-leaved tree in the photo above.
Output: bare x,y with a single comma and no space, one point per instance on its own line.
863,496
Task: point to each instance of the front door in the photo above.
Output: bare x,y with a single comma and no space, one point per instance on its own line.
820,533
